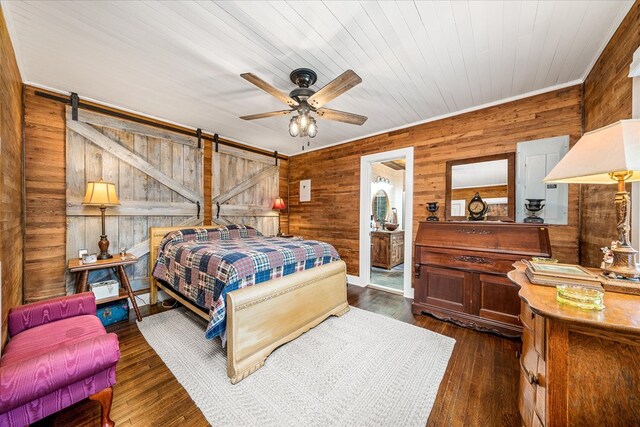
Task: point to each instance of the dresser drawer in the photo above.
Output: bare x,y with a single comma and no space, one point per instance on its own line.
527,316
481,263
397,238
539,335
528,366
529,358
541,391
526,400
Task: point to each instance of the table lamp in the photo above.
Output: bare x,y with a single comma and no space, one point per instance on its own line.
608,155
102,194
278,204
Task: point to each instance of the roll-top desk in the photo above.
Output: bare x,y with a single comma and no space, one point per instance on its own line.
461,271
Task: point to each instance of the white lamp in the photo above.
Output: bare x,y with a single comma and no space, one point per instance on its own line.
608,155
101,194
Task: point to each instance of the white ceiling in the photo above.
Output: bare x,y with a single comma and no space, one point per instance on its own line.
181,61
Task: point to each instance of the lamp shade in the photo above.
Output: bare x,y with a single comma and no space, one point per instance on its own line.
100,193
279,203
613,148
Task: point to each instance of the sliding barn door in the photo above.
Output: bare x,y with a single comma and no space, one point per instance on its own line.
158,174
244,187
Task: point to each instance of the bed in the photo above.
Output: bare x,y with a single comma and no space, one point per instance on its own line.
262,317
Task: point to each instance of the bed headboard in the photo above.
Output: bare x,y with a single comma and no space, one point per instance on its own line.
156,234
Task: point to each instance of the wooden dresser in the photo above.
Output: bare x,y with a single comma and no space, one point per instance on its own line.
578,367
461,271
387,248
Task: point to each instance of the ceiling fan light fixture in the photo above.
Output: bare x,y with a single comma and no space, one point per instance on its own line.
303,101
304,121
294,128
313,128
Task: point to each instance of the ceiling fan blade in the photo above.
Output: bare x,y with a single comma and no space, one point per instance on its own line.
341,116
251,78
265,115
334,88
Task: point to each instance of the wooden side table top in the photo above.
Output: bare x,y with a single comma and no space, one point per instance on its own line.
118,263
77,265
621,312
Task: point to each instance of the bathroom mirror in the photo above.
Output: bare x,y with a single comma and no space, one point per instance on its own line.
380,206
493,177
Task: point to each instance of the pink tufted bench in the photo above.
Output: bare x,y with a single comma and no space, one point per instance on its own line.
58,354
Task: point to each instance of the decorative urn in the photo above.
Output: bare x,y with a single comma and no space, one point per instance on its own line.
534,206
433,207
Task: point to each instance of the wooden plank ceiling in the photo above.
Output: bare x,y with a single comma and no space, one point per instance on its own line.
181,61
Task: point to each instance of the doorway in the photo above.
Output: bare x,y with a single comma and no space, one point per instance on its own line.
386,221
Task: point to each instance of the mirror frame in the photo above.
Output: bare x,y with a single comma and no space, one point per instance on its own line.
511,186
373,203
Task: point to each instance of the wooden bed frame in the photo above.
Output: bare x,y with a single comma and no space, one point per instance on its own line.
262,318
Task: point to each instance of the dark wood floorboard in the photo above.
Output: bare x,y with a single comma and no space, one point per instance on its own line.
479,387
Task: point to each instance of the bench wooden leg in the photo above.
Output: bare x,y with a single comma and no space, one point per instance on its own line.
104,397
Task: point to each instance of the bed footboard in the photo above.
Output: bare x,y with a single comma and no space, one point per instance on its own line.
262,318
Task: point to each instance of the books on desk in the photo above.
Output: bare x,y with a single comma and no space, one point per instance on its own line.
546,274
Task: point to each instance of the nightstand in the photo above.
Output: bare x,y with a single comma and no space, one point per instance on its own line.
118,264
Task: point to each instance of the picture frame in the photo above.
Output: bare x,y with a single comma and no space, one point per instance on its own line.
82,252
305,190
552,274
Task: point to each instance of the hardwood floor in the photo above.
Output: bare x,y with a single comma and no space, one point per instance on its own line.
479,387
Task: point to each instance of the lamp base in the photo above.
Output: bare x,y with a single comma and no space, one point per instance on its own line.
103,244
624,263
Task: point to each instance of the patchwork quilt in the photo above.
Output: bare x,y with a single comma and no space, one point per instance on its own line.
204,264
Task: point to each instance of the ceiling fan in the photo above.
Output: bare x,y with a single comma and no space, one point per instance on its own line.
305,101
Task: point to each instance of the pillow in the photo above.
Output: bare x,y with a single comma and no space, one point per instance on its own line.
206,234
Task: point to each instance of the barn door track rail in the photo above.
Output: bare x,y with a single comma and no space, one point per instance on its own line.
77,104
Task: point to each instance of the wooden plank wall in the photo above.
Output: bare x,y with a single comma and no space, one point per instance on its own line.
333,212
45,219
45,172
485,192
607,99
11,184
283,190
145,201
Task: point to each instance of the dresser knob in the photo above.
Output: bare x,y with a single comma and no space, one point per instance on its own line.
530,376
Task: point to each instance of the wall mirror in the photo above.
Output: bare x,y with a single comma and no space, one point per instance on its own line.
493,177
380,205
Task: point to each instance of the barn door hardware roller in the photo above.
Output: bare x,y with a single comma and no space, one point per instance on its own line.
199,136
216,141
75,101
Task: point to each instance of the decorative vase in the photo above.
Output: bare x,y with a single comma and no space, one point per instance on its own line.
534,206
433,207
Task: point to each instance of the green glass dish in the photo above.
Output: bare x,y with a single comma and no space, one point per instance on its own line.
586,297
545,260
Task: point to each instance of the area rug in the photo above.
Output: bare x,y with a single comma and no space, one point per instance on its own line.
361,369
